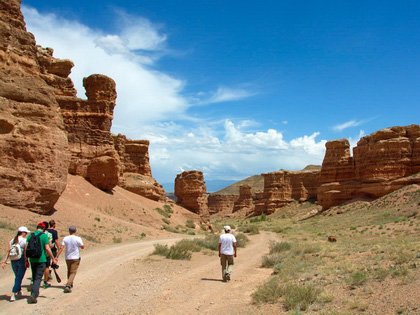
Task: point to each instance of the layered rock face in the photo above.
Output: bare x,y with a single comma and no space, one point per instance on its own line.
34,154
245,202
190,190
282,187
136,174
382,162
88,122
222,204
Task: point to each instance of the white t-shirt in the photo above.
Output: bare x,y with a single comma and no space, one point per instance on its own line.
72,243
227,241
21,241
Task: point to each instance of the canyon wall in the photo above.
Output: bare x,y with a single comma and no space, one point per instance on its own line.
190,191
245,202
34,155
87,122
221,204
136,174
382,163
282,187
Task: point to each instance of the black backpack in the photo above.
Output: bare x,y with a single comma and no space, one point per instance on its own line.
34,247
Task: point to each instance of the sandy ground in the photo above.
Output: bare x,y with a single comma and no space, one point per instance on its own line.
124,279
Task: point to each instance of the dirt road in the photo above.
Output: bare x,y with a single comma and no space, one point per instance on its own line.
123,279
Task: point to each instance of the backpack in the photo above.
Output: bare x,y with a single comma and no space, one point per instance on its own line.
15,252
34,247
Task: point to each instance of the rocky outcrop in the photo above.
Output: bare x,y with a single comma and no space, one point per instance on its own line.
87,122
382,162
282,187
190,190
221,204
136,174
34,154
245,202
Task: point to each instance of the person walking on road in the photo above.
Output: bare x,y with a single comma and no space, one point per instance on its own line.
38,264
72,244
15,253
227,250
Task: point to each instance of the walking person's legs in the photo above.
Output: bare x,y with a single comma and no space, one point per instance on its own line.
72,266
223,262
38,272
19,269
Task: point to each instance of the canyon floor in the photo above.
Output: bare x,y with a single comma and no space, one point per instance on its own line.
373,268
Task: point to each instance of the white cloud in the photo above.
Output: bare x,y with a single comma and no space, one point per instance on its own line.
351,123
227,94
144,94
235,153
149,101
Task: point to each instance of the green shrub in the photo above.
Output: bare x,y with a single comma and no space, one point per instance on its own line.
89,238
166,221
241,240
358,278
210,241
189,245
179,252
276,247
269,261
161,250
251,229
190,224
269,292
299,297
117,239
8,226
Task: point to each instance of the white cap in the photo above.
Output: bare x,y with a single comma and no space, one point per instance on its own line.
227,228
23,229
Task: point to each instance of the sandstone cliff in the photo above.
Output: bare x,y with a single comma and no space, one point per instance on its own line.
136,174
282,187
221,204
382,162
245,202
190,190
88,122
34,154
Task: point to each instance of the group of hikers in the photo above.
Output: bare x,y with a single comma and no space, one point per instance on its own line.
40,251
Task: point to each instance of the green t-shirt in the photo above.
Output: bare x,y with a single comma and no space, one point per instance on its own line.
44,241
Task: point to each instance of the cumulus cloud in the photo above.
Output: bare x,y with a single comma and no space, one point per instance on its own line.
144,94
151,104
233,152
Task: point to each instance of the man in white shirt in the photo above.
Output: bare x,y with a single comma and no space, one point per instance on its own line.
227,250
72,243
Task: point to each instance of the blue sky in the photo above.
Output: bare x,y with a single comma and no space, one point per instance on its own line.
238,88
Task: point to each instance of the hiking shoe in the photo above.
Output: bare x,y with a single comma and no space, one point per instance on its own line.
46,285
67,289
228,276
32,300
13,297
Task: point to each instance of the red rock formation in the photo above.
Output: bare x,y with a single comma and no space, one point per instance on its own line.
282,187
190,190
382,162
136,172
88,122
221,204
245,202
33,143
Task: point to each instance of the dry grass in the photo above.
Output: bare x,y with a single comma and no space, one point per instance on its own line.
378,246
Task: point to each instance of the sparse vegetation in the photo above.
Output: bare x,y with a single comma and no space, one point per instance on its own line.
190,224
